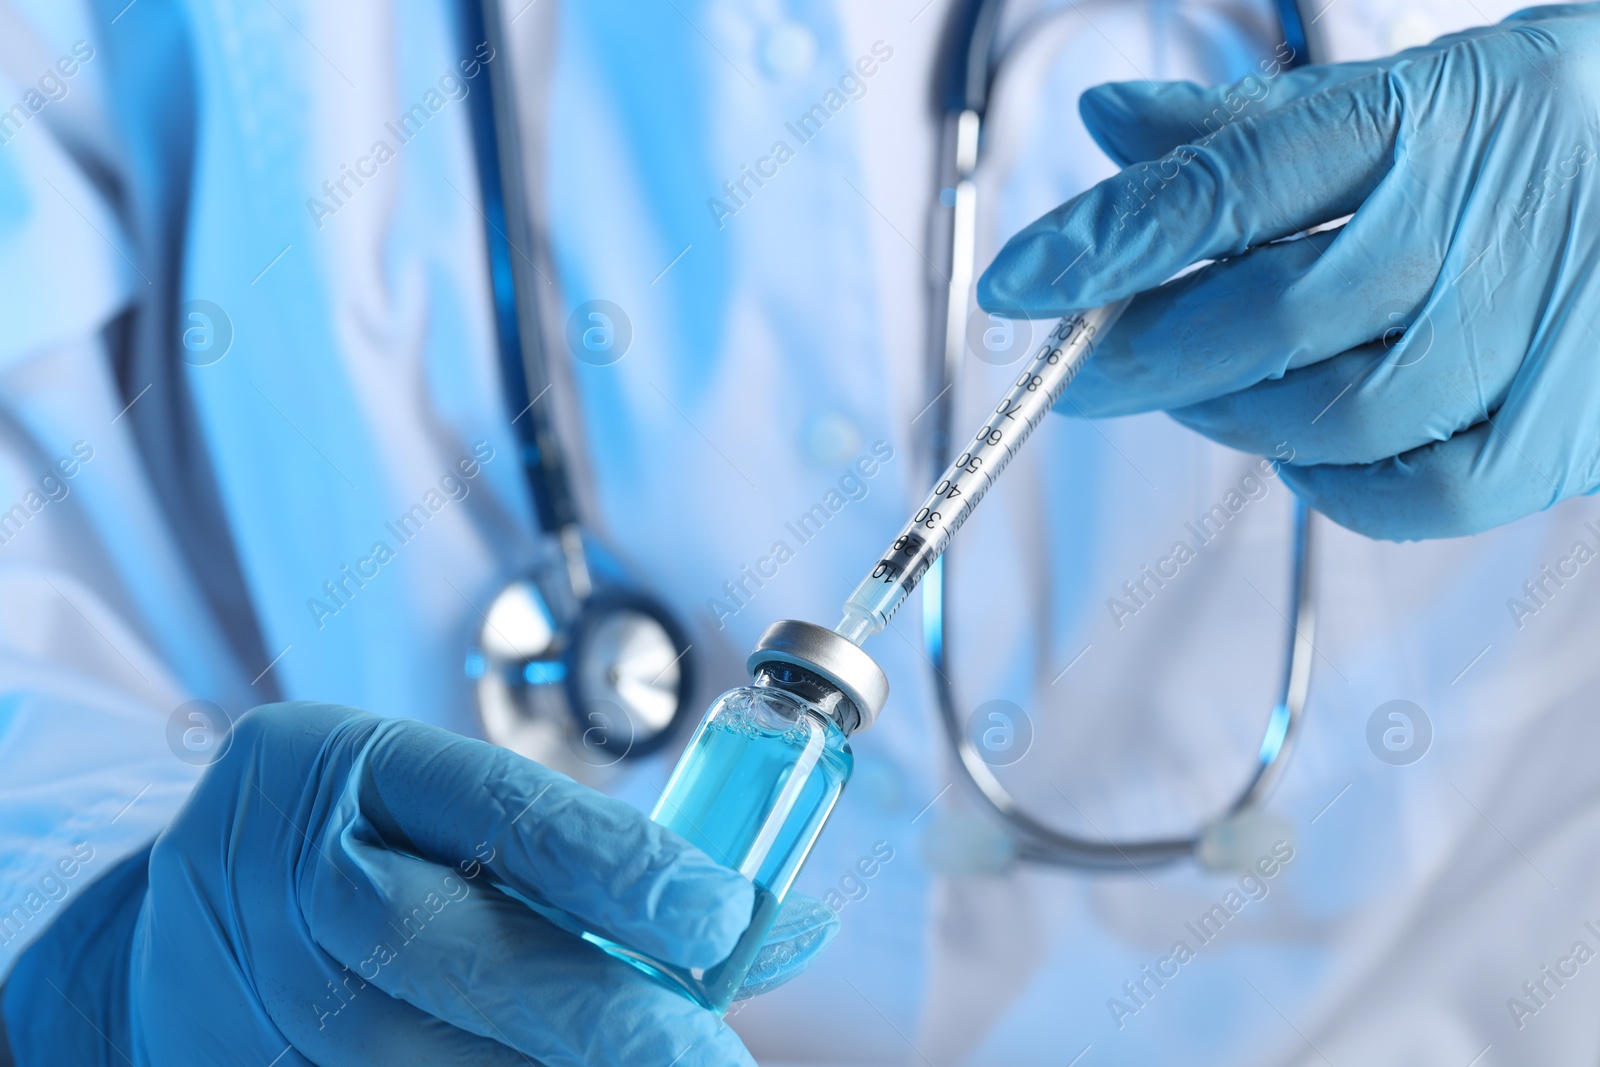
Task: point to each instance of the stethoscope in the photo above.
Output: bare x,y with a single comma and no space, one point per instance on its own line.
574,664
968,77
582,672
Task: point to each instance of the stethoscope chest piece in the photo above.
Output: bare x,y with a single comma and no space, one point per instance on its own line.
580,685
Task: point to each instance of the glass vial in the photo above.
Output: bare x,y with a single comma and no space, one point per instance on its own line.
753,790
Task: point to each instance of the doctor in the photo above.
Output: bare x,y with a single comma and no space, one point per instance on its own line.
186,497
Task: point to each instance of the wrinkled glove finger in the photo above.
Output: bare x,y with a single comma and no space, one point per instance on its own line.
462,952
803,928
1259,180
1476,480
334,1017
449,799
1253,318
1343,410
1509,464
1134,121
1425,381
1547,11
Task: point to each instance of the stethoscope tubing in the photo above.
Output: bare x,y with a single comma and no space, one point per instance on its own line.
965,96
578,602
509,233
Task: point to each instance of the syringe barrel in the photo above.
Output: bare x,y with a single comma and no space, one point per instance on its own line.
968,477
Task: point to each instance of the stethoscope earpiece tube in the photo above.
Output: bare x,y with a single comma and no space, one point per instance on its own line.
508,236
964,57
1294,32
577,676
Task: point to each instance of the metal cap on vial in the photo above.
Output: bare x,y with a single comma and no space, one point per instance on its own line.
830,656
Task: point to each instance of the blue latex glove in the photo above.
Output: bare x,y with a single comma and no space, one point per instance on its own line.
1433,364
325,896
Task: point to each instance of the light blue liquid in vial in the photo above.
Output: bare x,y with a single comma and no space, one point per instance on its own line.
754,787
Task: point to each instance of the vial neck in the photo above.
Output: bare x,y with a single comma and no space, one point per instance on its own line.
815,690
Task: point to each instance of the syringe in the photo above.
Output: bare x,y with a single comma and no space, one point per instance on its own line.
974,470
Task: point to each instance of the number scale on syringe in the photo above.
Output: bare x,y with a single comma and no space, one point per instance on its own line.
925,537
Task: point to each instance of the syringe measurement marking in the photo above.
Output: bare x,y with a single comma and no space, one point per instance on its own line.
951,487
990,437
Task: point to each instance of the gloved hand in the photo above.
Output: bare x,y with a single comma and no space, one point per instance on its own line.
1433,365
325,896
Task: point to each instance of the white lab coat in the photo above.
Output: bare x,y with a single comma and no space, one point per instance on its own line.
779,334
